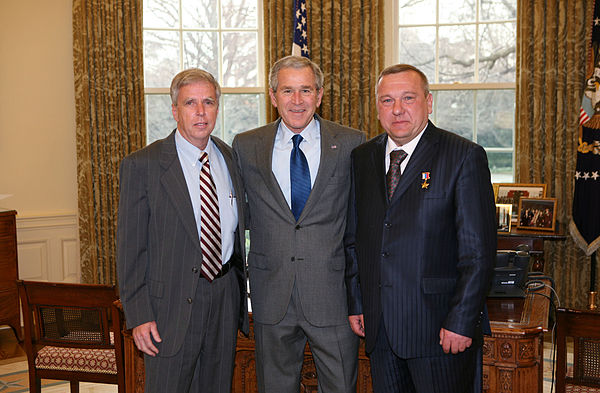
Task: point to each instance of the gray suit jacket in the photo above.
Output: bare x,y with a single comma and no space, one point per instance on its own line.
158,249
309,252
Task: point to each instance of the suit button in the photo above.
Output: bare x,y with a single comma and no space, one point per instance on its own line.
387,225
385,254
190,300
297,227
194,269
293,259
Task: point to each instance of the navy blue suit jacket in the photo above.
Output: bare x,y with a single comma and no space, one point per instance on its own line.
423,260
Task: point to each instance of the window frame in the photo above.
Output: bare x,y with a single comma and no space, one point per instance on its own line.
391,37
261,80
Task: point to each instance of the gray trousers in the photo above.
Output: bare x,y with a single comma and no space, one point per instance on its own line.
204,364
280,353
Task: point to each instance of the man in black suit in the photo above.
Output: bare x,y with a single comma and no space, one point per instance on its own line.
180,247
420,245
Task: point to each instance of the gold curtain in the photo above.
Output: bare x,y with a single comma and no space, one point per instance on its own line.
345,39
109,101
552,40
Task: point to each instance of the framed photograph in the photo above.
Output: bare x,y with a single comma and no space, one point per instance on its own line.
537,214
503,217
510,193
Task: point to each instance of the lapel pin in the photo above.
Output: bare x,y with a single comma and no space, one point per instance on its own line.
425,177
334,146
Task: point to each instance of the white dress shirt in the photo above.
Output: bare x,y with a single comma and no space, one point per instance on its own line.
408,148
189,157
282,149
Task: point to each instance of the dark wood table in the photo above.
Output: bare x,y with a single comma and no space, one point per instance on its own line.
513,357
534,239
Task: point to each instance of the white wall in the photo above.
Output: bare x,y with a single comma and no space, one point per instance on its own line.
38,163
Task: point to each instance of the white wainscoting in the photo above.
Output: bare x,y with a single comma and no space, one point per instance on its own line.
48,248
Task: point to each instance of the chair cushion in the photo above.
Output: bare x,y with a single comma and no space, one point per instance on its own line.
580,389
77,359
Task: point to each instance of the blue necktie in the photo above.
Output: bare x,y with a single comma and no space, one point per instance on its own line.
299,177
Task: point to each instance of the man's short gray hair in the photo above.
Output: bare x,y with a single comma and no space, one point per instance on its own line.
295,62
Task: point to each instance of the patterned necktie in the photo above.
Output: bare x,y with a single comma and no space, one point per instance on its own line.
210,224
393,175
299,177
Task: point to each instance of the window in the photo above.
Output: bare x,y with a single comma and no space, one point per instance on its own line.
467,50
223,37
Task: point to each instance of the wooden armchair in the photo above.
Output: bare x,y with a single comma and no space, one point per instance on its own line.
584,328
71,333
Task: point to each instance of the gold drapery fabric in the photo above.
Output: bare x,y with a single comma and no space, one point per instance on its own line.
109,101
345,39
552,41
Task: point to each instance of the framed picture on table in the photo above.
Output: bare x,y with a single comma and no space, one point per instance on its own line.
511,193
503,217
537,213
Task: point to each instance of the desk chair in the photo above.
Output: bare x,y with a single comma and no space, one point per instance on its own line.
584,328
69,333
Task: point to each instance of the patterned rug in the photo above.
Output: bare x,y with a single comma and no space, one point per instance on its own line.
15,378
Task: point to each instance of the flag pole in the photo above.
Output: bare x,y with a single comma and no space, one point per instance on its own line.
592,305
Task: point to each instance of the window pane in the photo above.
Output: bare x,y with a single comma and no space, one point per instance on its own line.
411,12
241,112
457,54
417,47
239,13
199,14
201,50
161,13
454,112
495,118
159,120
497,58
457,11
240,62
161,57
498,10
501,166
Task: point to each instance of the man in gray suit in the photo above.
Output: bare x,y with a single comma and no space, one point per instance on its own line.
180,247
296,173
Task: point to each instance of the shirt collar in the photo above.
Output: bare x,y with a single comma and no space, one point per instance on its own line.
409,147
310,133
190,153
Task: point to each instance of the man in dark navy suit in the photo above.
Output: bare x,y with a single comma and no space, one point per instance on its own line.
420,245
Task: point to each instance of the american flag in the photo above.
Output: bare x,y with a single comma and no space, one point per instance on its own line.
300,45
585,227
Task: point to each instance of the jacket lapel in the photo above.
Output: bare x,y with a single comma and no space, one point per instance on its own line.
264,160
425,151
173,181
327,164
378,163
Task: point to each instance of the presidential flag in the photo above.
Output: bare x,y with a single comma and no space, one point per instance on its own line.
585,227
300,45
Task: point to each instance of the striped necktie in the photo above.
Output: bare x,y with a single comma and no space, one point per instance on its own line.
210,224
393,175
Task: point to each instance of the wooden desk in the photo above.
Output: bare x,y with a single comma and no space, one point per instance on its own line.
534,239
513,357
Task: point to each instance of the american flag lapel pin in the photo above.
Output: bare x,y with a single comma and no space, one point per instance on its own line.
334,146
425,178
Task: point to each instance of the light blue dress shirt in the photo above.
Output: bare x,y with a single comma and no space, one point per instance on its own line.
282,149
189,157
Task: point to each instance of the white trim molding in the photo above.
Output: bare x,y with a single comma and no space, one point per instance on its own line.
48,248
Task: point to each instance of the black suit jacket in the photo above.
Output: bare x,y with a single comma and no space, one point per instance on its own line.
158,248
423,260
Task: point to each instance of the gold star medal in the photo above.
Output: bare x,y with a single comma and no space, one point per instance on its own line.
425,177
